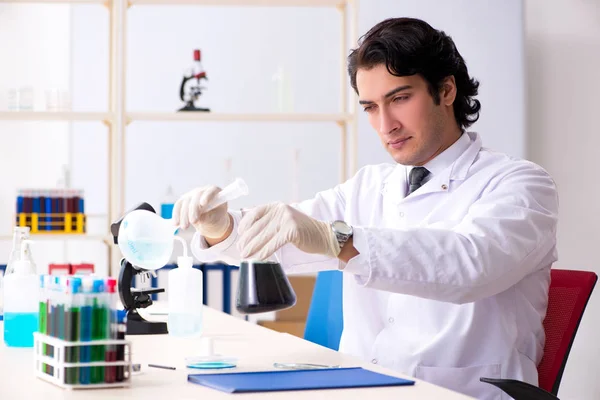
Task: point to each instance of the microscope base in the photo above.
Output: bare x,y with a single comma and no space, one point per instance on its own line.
189,107
136,325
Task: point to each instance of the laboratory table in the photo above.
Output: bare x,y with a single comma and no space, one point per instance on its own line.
256,348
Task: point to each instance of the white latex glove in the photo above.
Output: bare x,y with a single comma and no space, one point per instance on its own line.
265,229
190,210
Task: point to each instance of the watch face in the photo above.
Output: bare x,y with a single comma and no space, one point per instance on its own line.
342,227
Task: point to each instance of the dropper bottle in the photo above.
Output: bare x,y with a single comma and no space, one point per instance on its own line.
21,301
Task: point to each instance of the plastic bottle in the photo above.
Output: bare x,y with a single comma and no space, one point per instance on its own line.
20,233
185,298
21,303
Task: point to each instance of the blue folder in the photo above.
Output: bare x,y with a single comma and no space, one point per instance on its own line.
269,381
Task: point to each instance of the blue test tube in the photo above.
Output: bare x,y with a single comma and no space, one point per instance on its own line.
48,209
81,205
36,202
121,331
85,329
20,201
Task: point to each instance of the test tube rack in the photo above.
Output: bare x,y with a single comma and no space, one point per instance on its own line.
53,223
48,211
58,371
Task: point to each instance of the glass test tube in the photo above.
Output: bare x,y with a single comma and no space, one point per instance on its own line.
72,317
121,330
110,375
99,328
85,329
43,314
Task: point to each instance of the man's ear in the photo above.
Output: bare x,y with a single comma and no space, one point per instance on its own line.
448,91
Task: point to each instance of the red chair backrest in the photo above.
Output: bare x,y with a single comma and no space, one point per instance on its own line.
569,293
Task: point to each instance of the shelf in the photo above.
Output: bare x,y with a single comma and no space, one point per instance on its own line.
223,117
56,1
240,3
244,3
53,116
116,117
61,236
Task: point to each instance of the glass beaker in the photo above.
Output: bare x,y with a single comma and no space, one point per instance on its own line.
263,287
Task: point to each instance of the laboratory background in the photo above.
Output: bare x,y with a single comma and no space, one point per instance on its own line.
92,110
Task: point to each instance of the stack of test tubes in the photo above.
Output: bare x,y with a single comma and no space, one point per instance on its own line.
80,342
51,210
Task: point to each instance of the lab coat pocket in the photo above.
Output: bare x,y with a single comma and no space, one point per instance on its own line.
463,380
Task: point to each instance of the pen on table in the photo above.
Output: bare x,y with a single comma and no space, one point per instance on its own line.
160,366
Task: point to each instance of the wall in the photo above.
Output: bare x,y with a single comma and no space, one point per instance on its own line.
563,47
489,35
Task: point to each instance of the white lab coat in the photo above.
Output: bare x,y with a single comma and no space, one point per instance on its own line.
451,283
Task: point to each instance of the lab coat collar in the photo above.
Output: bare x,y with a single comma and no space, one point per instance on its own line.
396,185
447,158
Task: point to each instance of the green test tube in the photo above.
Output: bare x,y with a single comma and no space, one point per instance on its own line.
43,315
72,318
99,328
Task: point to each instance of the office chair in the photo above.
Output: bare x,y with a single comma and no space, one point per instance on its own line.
568,296
324,321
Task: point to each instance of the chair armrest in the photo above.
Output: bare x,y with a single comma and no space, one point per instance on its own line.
520,390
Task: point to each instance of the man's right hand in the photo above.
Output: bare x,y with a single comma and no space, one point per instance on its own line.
190,209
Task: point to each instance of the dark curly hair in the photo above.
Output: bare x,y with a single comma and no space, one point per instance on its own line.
408,46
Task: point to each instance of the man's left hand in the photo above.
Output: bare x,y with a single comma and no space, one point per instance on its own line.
267,228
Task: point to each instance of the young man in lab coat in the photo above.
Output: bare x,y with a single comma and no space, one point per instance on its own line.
446,251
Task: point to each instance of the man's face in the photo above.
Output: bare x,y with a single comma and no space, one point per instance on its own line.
412,128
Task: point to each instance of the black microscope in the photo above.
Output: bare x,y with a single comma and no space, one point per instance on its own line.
134,299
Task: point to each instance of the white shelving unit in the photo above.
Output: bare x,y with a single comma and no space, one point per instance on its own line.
56,1
223,117
245,3
50,237
117,118
55,116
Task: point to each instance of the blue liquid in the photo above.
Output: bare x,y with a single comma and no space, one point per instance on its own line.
19,328
85,355
166,210
211,365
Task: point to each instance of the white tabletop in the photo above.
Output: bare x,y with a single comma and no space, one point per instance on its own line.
256,348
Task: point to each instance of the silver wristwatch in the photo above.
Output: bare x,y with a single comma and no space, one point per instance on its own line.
343,232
